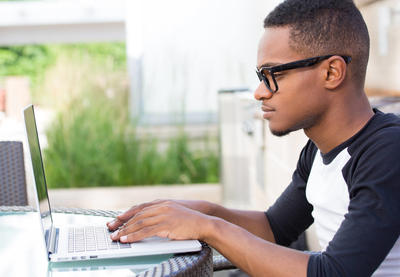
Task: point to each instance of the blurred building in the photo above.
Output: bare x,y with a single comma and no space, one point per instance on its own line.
383,20
183,52
61,21
180,54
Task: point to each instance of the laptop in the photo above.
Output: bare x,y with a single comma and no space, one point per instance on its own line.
73,243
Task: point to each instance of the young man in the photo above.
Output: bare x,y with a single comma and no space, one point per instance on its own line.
311,63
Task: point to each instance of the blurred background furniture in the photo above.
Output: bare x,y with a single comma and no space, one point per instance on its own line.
12,174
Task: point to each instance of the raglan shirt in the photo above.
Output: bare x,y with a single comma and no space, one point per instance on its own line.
352,194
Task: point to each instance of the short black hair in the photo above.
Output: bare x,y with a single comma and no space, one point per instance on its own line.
324,27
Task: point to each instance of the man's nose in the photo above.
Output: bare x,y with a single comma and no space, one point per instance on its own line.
262,92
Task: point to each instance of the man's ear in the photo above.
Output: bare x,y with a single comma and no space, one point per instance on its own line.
335,72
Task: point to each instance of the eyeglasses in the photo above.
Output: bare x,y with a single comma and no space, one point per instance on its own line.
267,73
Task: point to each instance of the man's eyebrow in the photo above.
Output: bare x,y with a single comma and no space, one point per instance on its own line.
269,64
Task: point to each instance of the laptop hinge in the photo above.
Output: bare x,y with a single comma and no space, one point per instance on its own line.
52,240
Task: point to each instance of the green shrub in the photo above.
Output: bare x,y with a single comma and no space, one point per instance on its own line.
94,144
35,61
29,60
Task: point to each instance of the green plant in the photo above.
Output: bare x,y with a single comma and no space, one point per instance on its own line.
30,60
190,166
94,144
36,61
85,135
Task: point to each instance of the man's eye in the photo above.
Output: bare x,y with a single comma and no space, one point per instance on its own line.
280,75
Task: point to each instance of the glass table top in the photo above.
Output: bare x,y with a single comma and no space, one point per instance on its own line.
23,252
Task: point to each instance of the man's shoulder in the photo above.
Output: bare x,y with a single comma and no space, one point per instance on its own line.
385,122
376,151
306,159
387,117
309,150
383,131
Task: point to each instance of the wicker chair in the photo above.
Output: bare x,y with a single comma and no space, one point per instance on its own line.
12,174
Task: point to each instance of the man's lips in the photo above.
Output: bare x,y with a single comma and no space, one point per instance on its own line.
266,109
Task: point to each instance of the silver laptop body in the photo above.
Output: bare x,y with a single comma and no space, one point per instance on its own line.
72,243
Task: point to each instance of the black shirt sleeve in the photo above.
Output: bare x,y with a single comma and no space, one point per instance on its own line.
372,226
290,215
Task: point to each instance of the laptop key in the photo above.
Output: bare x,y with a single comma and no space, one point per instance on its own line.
114,245
79,248
124,245
91,239
102,247
91,248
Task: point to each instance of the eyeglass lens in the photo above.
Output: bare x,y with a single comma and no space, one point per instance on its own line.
268,80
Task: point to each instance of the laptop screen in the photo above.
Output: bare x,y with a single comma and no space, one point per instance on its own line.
37,165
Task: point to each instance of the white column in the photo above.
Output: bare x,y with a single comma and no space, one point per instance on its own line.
134,48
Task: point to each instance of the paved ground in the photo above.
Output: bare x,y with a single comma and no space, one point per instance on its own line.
121,198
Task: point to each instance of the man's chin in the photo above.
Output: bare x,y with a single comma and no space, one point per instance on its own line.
280,133
283,132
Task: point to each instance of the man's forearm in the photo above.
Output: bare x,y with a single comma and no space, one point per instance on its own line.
253,254
253,221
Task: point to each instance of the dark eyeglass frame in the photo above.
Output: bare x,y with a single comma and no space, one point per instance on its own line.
292,65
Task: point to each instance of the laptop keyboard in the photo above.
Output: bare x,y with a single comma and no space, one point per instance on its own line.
92,238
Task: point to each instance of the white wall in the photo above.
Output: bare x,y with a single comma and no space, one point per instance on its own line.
383,21
188,50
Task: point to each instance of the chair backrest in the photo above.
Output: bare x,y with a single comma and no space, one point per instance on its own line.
12,174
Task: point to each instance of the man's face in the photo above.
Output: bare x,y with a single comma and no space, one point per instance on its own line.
300,101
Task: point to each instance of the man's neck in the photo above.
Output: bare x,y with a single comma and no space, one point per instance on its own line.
340,124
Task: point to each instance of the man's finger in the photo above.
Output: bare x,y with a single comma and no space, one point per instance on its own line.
113,225
121,219
136,226
125,216
130,213
146,232
144,213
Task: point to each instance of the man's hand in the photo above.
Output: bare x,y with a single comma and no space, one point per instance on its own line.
184,220
201,206
161,218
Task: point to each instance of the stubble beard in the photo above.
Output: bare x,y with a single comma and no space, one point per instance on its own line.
306,123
